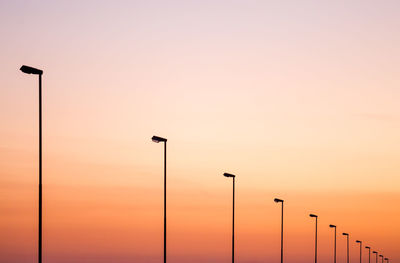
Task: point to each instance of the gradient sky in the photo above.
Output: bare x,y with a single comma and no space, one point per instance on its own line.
300,99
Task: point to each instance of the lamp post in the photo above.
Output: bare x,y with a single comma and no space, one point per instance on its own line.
360,242
347,235
316,235
381,257
277,200
35,71
369,253
334,249
157,139
376,255
387,260
233,214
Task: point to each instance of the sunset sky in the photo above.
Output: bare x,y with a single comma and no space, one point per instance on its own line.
299,99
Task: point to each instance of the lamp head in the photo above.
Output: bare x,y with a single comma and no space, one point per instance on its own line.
332,226
367,247
229,175
277,200
312,215
358,241
386,259
30,70
158,139
381,256
345,234
375,252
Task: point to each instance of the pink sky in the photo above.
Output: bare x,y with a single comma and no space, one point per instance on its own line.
299,99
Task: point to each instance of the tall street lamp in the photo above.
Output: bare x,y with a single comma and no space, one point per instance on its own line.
381,257
360,242
316,235
233,215
369,253
277,200
35,71
376,256
347,235
334,249
157,139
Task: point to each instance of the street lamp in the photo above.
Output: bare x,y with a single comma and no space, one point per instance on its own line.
347,235
381,257
157,139
30,70
277,200
334,250
360,242
376,254
369,253
387,260
35,71
316,235
233,215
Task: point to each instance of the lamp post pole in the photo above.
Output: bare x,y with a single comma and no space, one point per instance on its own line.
30,70
277,200
369,253
348,257
157,139
165,201
40,172
233,214
316,236
334,248
376,256
360,242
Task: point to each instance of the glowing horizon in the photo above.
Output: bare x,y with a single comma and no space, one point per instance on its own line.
299,100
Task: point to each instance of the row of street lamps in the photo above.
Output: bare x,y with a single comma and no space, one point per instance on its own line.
348,250
157,139
276,200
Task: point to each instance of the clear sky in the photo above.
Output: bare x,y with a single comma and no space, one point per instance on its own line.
300,99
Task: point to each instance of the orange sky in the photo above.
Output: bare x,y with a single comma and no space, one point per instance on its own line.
299,100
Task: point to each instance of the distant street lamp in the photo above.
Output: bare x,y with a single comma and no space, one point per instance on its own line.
157,139
387,260
277,200
369,254
35,71
381,257
233,215
348,257
360,242
316,235
334,249
376,254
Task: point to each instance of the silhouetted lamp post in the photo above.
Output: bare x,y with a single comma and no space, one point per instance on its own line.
334,249
376,256
157,140
347,235
277,200
381,257
233,215
35,71
316,235
360,242
369,253
387,260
